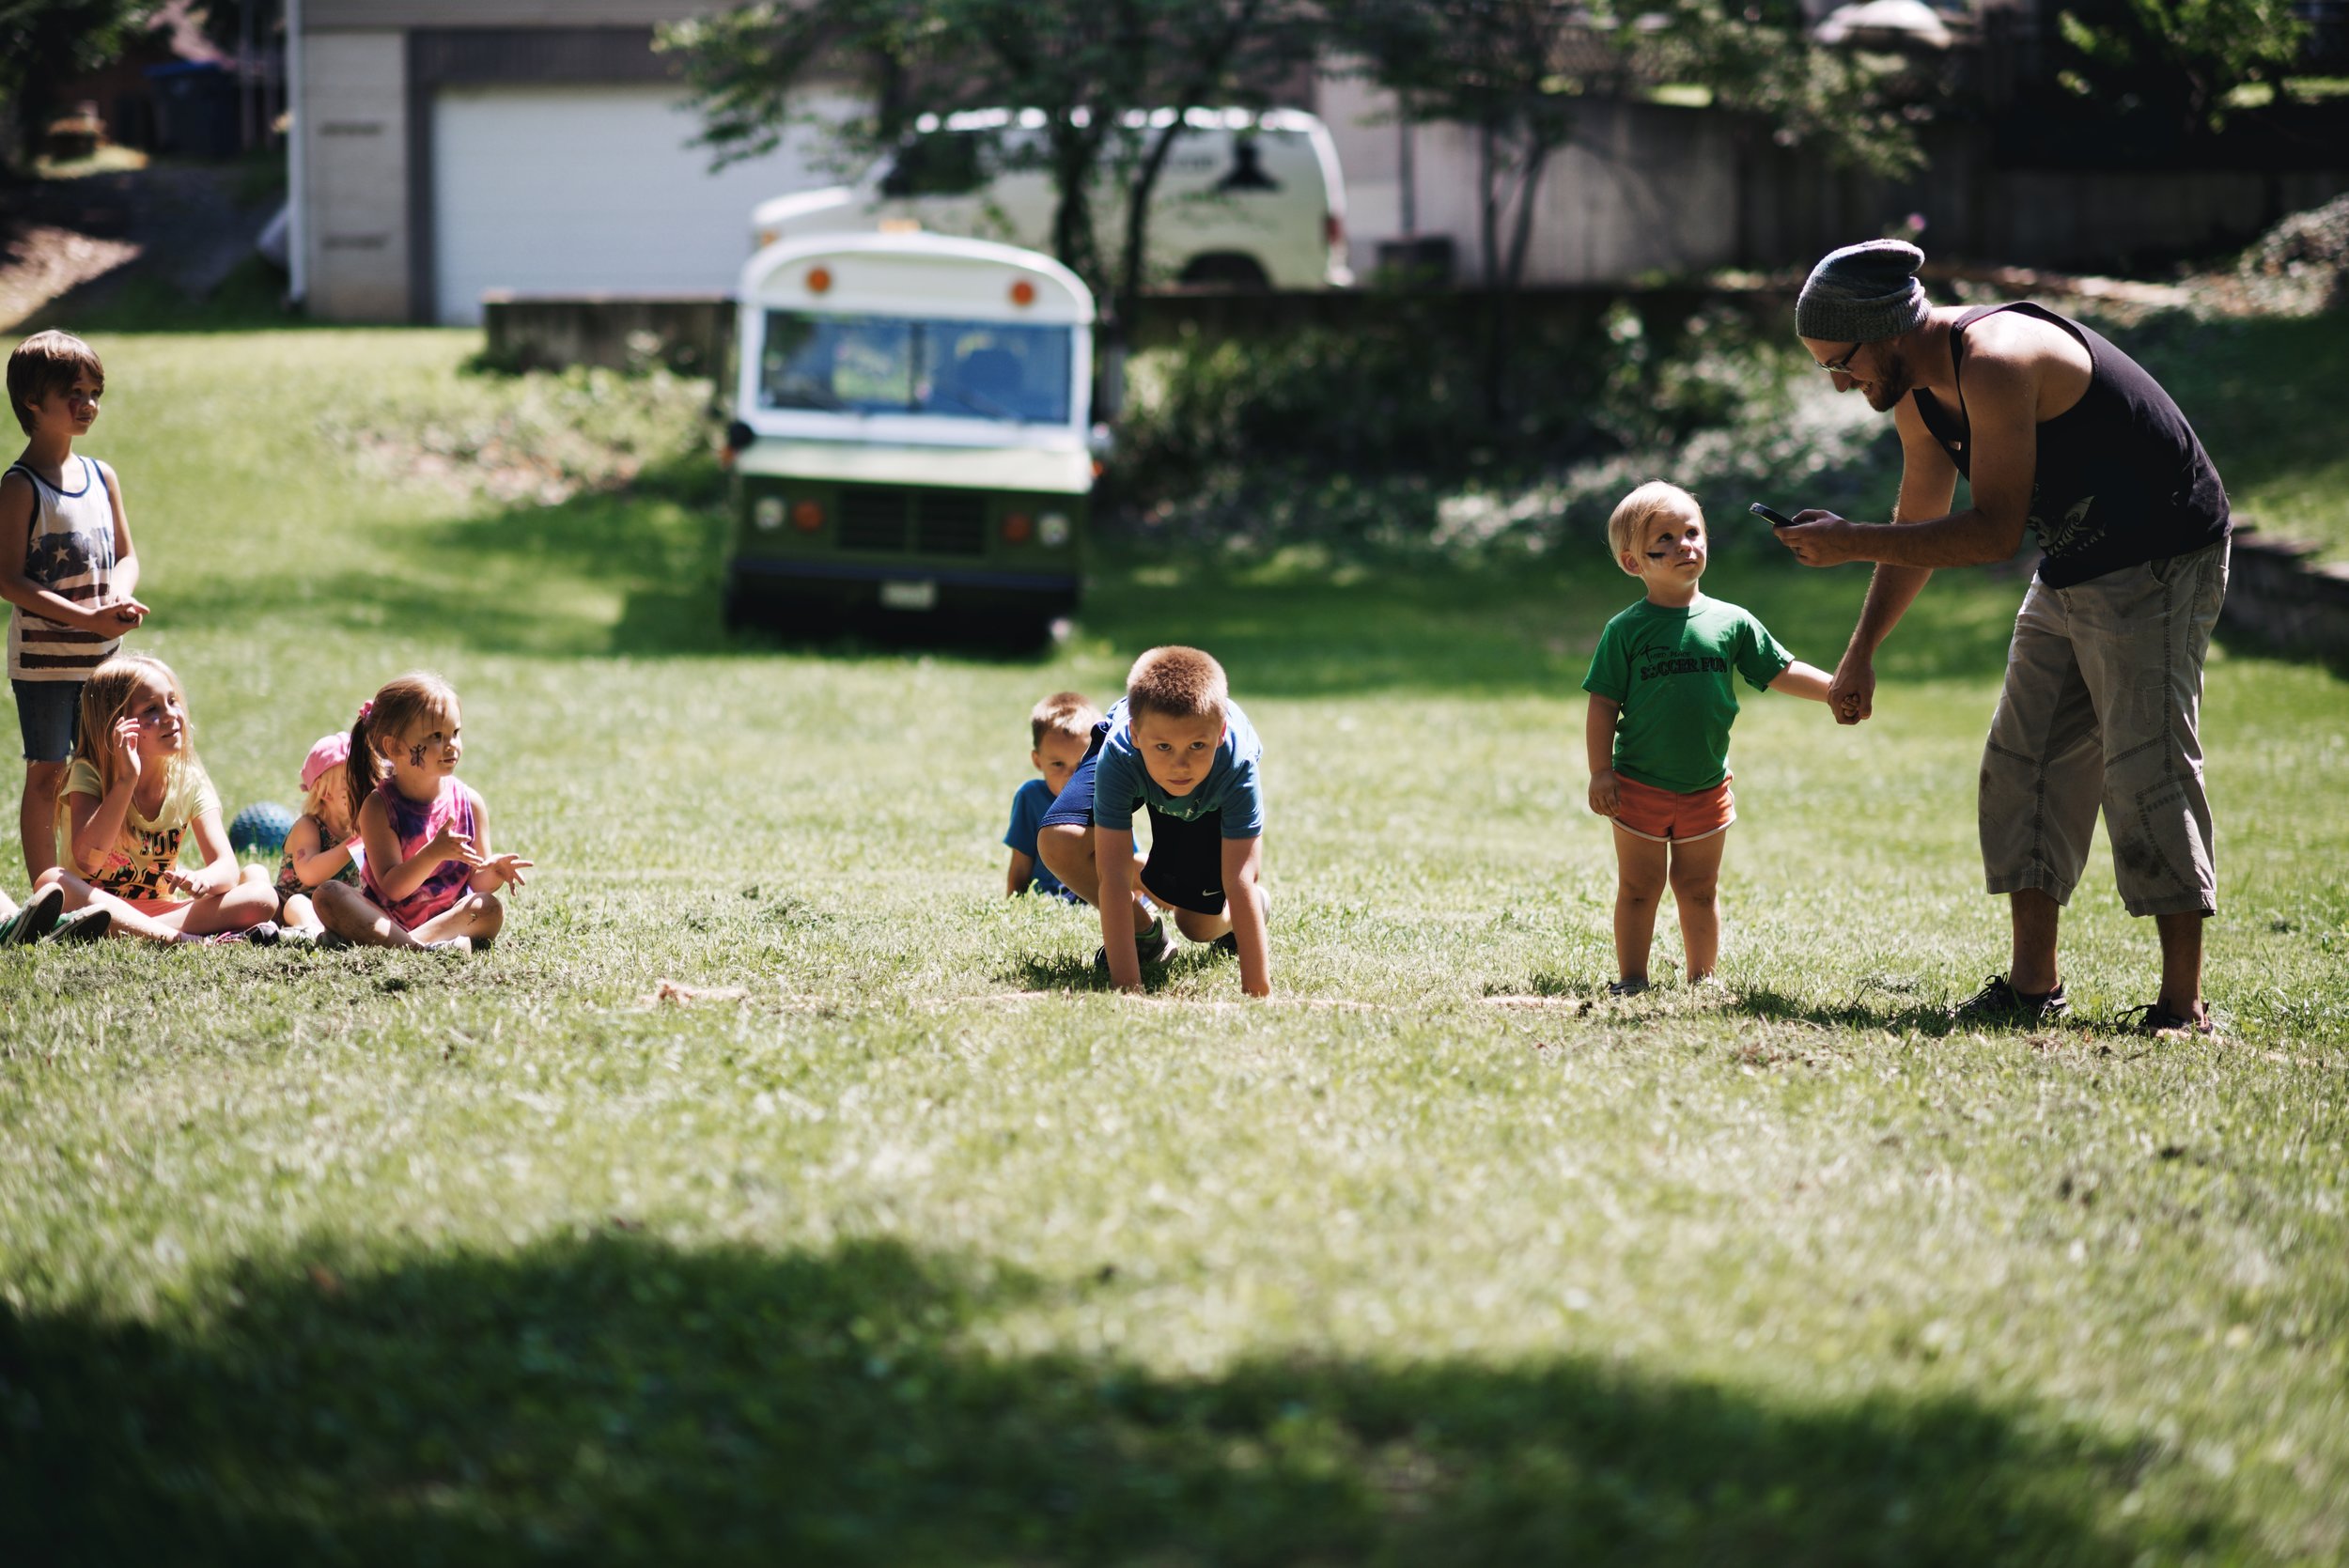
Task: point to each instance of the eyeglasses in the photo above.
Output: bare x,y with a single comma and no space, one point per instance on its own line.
1841,366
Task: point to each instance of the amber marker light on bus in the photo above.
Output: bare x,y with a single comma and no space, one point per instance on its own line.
819,280
1022,292
807,517
1016,527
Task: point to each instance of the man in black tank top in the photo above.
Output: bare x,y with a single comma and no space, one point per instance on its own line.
2059,432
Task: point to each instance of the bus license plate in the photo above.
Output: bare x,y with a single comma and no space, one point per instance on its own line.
920,594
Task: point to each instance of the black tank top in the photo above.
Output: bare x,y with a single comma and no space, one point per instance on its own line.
2120,479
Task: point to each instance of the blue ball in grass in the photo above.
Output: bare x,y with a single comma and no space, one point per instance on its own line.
260,828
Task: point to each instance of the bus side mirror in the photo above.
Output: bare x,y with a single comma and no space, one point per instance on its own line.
739,436
1101,441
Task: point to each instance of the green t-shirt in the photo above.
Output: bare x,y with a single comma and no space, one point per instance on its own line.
1670,670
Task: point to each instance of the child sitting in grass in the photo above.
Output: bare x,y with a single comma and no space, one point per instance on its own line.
132,795
323,851
1657,727
1177,747
1060,733
430,876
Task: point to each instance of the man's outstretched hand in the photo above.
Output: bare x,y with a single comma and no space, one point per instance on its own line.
1852,695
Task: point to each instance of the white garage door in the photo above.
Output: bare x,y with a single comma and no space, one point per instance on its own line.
593,190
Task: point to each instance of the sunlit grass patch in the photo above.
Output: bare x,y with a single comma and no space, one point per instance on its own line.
886,1235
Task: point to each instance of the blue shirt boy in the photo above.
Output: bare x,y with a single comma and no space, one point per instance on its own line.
1028,806
1122,784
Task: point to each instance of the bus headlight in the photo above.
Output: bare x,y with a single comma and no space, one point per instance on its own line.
768,514
1052,530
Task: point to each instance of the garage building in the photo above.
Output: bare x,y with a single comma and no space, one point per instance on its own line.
442,148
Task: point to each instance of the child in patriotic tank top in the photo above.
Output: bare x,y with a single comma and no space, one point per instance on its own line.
430,876
66,564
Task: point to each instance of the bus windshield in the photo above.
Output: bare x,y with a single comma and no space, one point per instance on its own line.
890,365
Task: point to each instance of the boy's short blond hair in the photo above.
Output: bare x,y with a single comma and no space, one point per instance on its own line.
1635,512
44,364
1177,683
1062,713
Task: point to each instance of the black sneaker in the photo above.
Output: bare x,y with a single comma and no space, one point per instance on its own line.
85,924
1626,988
1998,1003
2158,1021
1150,949
39,917
1228,944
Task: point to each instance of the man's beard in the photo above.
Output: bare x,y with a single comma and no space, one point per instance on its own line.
1885,394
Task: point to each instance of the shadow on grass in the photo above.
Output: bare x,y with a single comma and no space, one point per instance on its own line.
1071,972
614,1400
1865,1008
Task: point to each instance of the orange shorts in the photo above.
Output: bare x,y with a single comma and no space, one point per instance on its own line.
1665,817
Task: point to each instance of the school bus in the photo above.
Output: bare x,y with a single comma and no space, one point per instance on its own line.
912,435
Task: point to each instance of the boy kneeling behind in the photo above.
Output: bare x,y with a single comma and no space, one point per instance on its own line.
1177,746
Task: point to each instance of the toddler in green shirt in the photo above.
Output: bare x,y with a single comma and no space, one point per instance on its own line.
1657,727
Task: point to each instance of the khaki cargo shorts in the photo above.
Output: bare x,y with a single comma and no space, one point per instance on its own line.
2103,693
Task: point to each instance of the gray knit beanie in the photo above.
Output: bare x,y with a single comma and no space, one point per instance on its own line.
1862,294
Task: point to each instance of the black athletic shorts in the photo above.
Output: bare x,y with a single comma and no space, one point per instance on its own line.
1186,864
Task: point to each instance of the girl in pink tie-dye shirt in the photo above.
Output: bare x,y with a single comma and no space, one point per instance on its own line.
430,876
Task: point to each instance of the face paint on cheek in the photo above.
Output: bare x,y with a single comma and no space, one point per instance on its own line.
416,756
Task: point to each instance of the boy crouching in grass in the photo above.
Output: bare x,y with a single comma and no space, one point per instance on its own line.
1657,727
1060,734
1177,747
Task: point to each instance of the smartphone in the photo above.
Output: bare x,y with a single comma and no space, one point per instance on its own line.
1776,519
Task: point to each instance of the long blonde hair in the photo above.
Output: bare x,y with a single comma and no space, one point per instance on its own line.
400,703
106,697
332,790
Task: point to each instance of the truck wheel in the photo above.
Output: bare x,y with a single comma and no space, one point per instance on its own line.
1226,270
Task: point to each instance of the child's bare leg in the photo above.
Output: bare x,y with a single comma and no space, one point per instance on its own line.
477,915
251,901
36,816
1640,877
1067,853
1696,875
356,918
300,914
126,921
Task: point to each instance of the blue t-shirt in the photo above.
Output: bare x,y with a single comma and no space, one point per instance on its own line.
1121,784
1027,811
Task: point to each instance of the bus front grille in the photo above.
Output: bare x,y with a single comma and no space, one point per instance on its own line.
951,523
873,519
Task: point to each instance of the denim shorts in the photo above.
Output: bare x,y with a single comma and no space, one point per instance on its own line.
47,712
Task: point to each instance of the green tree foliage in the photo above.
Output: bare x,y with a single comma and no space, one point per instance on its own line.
1095,70
2179,57
1515,70
44,42
1856,109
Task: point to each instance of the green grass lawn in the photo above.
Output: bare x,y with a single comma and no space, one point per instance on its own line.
921,1250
